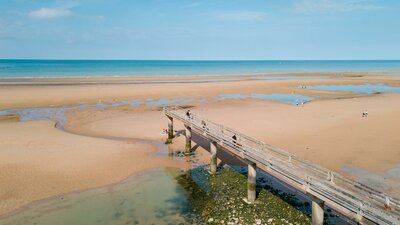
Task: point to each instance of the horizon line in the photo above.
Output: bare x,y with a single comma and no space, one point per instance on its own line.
34,59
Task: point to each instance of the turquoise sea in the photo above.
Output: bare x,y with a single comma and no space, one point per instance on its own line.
95,68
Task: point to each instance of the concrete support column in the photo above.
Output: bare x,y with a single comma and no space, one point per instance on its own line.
317,211
213,160
251,182
188,146
170,130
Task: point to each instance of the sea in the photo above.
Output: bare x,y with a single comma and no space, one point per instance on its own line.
10,68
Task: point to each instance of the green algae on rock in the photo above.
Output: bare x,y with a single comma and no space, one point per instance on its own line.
218,199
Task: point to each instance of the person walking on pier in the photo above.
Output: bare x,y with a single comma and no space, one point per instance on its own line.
204,124
188,114
234,140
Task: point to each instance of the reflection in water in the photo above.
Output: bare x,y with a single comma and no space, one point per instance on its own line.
147,198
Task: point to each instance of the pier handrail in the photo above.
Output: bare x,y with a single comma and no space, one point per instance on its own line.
351,195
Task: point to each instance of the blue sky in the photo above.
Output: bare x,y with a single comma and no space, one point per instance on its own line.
193,29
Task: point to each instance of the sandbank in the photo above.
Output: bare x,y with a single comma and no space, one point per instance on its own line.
38,161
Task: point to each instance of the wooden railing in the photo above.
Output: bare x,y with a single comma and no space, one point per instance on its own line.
347,196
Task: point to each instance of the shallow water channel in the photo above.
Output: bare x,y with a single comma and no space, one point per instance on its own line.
151,197
57,113
362,88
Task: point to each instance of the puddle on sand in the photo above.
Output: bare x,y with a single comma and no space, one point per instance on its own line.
165,101
294,99
151,197
362,88
288,77
387,73
57,114
380,181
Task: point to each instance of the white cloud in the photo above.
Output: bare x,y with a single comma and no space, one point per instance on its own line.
250,16
50,13
320,6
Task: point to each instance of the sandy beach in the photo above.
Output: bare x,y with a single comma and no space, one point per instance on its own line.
38,160
199,112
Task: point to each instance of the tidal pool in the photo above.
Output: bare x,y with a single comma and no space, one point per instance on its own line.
151,197
294,99
288,77
363,88
171,196
57,114
384,181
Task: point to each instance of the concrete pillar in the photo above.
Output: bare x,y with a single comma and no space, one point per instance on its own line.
213,160
188,146
170,130
251,182
317,211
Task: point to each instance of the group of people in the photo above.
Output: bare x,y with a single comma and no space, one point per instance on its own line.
365,113
204,125
190,116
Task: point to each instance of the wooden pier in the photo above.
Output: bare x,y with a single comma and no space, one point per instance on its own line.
324,187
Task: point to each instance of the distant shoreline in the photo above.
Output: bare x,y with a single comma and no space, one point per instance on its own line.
45,69
158,80
186,79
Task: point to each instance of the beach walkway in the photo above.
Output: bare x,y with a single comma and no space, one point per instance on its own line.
324,187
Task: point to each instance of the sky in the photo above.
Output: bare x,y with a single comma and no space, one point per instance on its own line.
200,30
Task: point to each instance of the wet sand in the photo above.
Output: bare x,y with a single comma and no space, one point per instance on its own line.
61,95
38,160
